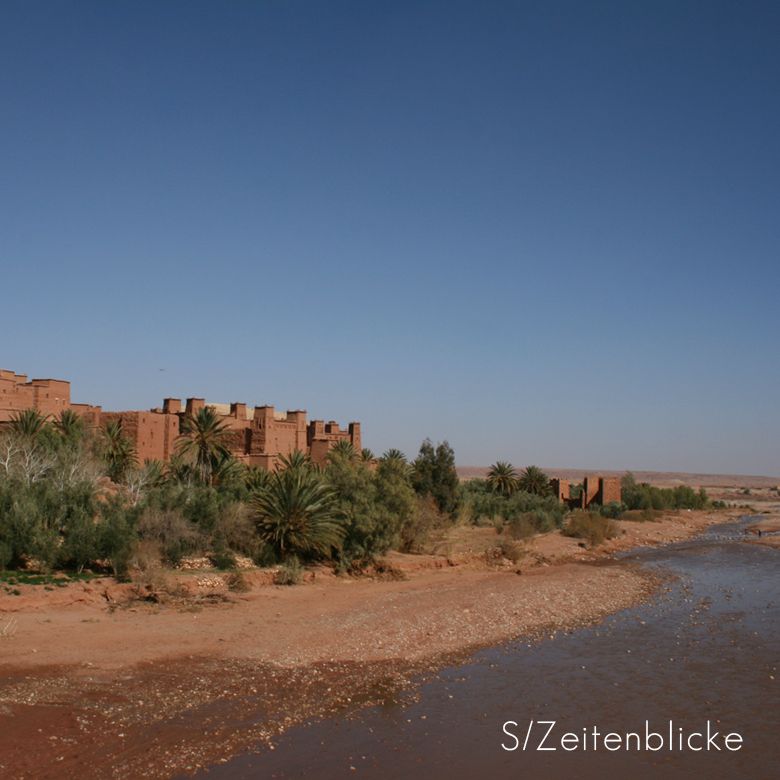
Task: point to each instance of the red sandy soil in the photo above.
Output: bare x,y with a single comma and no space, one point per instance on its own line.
96,685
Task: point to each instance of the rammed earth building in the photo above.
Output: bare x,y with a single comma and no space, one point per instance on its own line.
259,435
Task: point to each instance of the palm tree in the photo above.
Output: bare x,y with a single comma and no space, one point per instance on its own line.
502,478
296,460
534,480
205,438
343,448
69,425
120,452
367,456
28,423
394,454
255,477
226,471
181,471
294,514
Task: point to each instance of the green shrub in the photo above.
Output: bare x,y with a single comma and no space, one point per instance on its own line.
544,512
645,496
613,510
427,520
80,541
264,556
174,534
221,557
29,523
235,530
290,572
116,535
593,528
202,508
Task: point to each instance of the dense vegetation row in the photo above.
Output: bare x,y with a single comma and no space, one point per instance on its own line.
72,497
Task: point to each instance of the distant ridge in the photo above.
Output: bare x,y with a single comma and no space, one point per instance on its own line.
660,478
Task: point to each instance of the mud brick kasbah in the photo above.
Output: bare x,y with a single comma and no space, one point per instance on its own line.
595,490
259,435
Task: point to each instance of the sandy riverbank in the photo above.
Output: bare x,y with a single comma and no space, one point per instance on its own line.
90,689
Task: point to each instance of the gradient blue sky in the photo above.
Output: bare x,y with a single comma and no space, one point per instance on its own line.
545,231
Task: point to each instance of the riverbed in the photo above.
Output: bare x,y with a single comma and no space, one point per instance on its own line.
700,658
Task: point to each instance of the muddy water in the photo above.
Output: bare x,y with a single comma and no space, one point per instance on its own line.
706,650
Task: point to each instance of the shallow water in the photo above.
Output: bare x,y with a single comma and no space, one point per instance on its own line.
704,650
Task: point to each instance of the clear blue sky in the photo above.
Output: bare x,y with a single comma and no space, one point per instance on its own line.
547,232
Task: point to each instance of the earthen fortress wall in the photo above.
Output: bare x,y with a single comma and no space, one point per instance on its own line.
259,435
596,491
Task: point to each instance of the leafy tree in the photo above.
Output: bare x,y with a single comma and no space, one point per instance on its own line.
294,513
205,438
502,478
373,506
24,458
76,465
139,481
533,480
396,499
434,473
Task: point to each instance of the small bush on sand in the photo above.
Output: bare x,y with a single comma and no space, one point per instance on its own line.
149,582
290,572
511,549
145,556
265,556
594,529
426,522
171,531
235,530
237,583
522,528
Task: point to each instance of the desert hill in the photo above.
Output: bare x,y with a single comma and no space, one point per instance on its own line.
658,478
